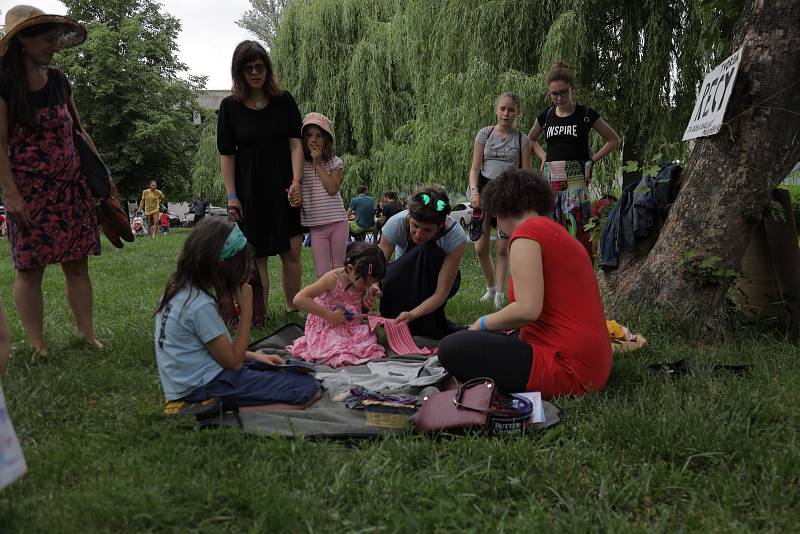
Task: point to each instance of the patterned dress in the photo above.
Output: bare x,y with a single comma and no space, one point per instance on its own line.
572,209
349,343
568,168
47,172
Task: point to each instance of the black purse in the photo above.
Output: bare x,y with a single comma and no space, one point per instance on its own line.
93,168
108,209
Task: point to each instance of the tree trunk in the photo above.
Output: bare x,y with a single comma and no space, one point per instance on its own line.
727,181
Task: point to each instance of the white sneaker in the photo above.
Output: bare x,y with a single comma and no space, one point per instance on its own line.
499,300
489,296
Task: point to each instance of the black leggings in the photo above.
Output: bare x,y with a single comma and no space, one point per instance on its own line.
471,354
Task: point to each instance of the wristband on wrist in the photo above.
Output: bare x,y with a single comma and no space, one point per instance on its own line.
483,323
232,196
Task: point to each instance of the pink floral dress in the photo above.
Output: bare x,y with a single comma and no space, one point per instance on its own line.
46,168
349,343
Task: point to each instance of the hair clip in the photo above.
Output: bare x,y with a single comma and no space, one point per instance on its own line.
369,269
426,199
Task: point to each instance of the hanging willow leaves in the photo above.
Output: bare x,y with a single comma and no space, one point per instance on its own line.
408,83
206,173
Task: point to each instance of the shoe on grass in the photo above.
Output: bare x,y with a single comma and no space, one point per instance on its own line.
489,296
199,409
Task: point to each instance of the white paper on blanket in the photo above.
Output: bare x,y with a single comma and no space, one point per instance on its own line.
537,415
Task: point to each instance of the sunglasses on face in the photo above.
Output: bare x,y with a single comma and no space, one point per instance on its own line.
425,199
257,68
562,93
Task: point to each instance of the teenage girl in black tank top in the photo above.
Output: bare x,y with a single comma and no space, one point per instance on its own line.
568,161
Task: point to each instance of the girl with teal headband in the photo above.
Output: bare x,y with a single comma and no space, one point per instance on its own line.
197,358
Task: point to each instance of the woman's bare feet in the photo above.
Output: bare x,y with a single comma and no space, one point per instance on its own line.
93,342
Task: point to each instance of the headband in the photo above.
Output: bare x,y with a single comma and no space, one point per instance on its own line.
235,242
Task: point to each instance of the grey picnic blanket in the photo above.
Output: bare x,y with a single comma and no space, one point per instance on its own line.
329,417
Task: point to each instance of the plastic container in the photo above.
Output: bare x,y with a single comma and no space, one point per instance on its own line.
512,416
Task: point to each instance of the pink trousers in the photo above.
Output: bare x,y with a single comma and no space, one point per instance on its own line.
328,245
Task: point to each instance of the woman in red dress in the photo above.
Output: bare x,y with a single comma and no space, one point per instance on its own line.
562,347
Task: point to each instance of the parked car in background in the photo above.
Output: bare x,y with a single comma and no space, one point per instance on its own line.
174,220
216,211
462,213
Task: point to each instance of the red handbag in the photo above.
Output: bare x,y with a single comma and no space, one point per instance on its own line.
467,407
113,219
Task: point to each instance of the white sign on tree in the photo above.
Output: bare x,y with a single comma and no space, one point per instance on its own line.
712,101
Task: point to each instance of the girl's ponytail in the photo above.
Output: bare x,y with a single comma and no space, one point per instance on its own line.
367,259
560,72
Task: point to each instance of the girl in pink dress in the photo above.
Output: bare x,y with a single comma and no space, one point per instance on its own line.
334,333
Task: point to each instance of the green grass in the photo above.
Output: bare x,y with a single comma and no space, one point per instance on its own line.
703,453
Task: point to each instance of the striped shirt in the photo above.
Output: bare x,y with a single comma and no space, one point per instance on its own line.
319,207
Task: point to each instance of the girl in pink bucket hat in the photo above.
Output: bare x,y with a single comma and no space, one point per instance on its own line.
322,209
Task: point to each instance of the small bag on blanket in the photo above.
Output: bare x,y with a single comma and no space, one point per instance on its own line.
467,407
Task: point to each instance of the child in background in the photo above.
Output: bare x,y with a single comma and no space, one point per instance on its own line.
322,209
137,226
334,333
12,462
163,221
197,360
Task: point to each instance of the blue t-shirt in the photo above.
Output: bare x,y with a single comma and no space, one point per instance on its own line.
395,232
364,206
188,321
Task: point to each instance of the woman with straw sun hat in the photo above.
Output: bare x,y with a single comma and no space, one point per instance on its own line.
47,199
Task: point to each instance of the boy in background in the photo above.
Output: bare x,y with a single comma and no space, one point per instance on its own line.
163,222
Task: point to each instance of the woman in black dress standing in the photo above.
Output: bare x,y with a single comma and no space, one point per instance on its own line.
261,154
